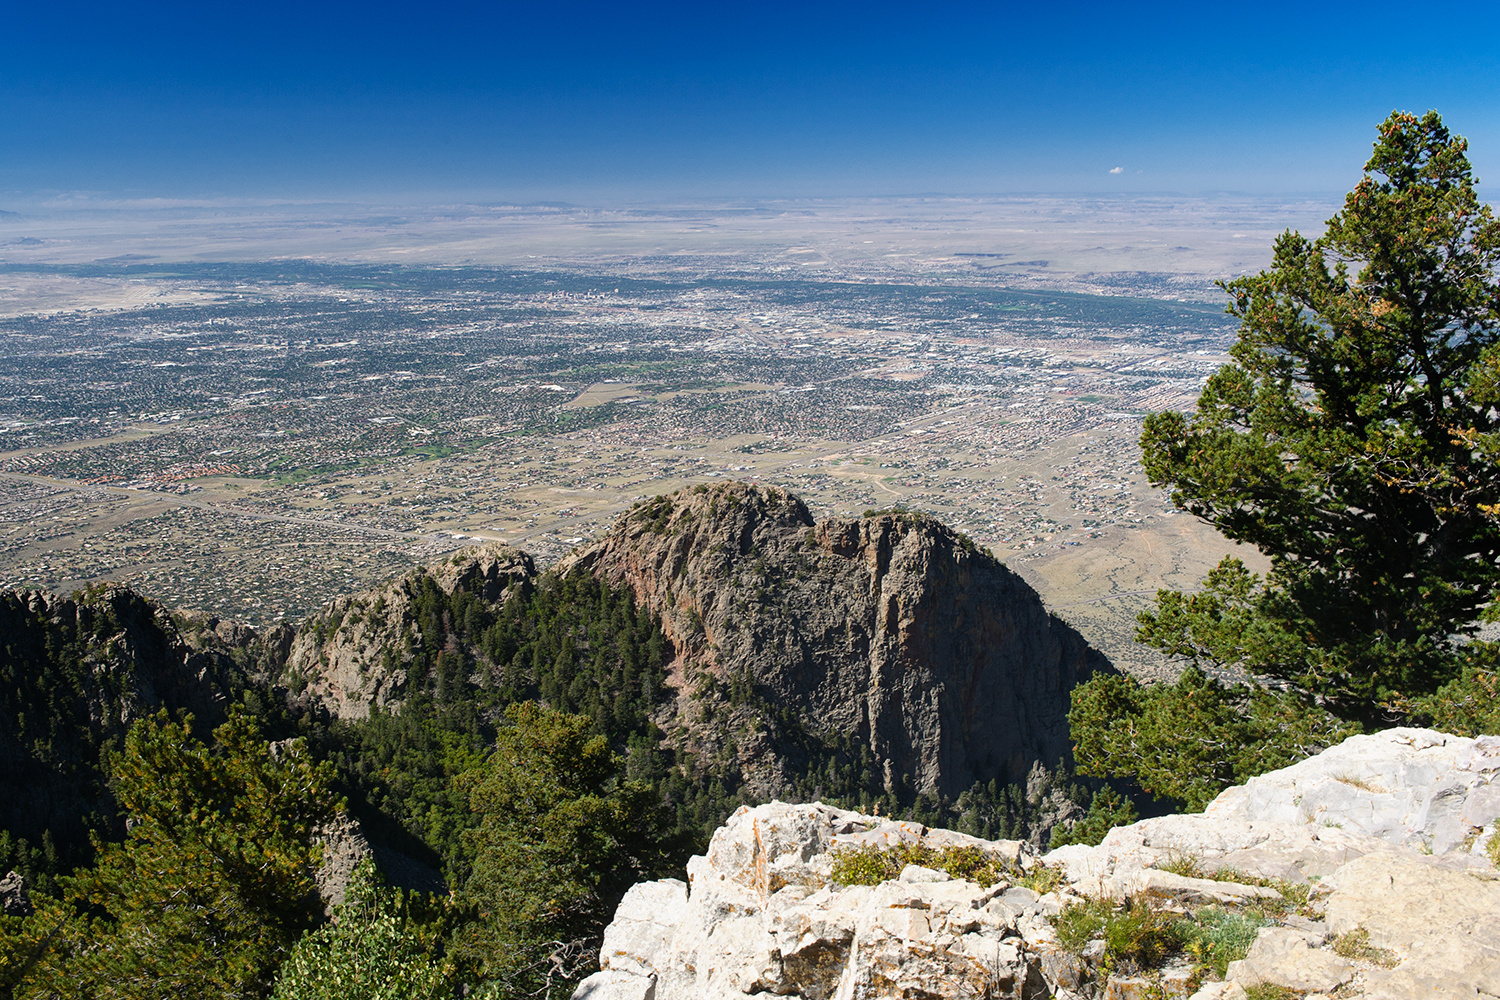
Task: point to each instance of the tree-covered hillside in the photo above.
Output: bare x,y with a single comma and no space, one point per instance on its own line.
524,763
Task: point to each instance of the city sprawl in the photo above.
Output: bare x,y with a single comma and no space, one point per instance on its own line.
254,438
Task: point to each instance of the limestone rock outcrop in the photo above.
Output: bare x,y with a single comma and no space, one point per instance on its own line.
1444,924
1395,905
1408,786
345,845
760,915
891,629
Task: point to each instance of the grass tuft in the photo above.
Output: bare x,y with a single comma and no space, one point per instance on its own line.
1356,944
1042,878
1294,895
1270,991
1136,936
1215,936
1185,865
873,865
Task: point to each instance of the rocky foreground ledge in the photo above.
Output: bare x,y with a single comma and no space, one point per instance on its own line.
1374,852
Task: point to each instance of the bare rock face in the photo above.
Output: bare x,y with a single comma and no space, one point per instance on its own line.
1286,957
891,629
345,845
1416,787
1389,830
15,898
1443,923
351,656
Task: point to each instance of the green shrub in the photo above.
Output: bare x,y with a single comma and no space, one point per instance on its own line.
1215,936
1469,705
1136,935
1081,922
873,865
364,954
864,866
1192,739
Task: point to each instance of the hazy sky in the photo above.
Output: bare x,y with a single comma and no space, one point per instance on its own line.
598,102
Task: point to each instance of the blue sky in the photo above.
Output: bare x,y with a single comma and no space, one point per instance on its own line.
596,103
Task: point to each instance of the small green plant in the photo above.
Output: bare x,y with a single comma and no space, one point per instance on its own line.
873,865
1270,991
1187,866
1081,922
1494,848
1042,878
863,866
1136,935
1294,895
1215,936
1356,944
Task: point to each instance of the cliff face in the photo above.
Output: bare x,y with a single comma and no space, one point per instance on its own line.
891,630
355,654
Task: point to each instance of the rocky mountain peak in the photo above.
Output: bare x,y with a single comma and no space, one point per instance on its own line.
890,629
887,653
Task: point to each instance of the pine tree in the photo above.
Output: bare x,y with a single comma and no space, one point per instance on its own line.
1352,439
560,838
212,886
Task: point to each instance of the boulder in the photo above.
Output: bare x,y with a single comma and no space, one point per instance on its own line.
1282,956
1294,852
1443,923
15,899
760,914
1411,787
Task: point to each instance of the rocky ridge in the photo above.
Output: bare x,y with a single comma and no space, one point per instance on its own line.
354,654
1379,896
890,629
888,642
76,671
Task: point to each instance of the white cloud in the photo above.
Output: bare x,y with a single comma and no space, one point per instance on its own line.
99,200
1117,170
